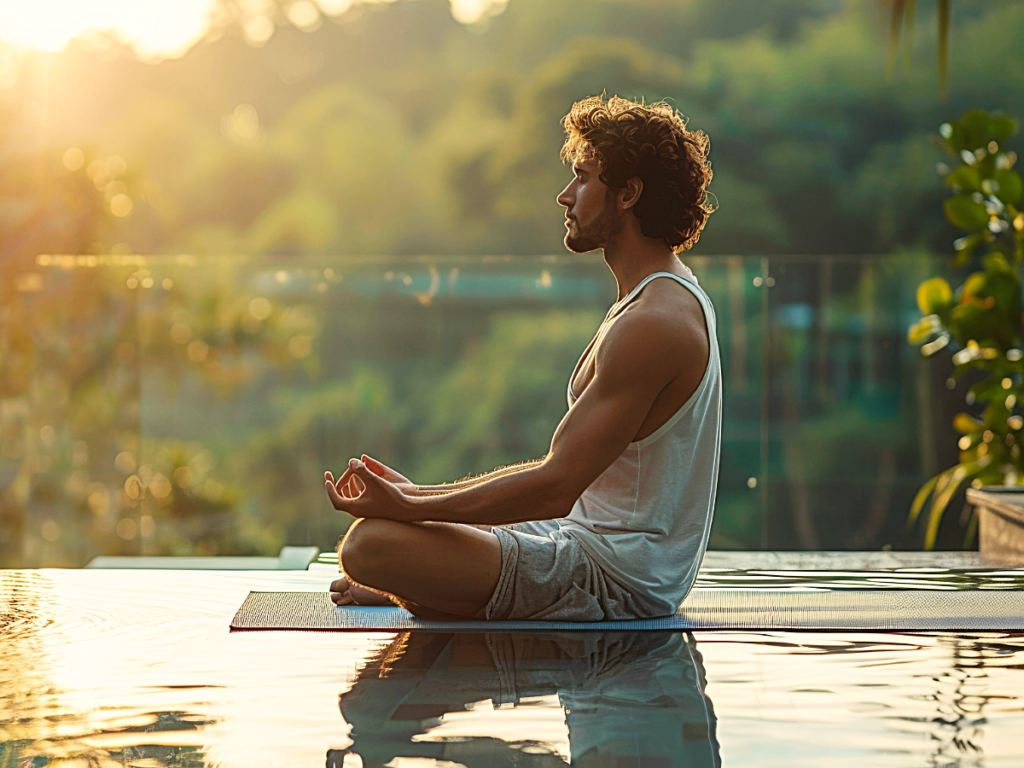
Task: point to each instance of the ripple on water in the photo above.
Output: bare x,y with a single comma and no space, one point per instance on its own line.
895,578
130,669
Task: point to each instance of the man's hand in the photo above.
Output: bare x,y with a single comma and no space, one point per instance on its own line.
364,493
387,473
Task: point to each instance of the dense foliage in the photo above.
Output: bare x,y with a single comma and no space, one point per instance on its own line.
983,315
185,403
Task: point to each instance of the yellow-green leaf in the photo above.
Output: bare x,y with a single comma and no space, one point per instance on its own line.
933,296
919,332
919,499
966,424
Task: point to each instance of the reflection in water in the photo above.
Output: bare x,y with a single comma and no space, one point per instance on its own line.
139,669
42,722
630,698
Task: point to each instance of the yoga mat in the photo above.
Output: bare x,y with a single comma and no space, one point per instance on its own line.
755,609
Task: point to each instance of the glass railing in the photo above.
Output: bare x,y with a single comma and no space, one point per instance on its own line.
189,406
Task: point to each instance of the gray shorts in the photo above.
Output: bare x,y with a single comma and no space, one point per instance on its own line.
547,575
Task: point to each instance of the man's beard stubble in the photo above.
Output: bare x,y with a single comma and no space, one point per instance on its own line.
604,228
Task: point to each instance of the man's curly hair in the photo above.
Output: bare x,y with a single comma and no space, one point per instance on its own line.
651,142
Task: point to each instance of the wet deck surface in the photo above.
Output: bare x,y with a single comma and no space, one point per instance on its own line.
138,668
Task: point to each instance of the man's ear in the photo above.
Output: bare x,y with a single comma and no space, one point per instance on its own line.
630,194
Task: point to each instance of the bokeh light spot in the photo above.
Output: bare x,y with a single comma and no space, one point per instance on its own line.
47,436
300,346
260,308
50,530
133,488
121,205
124,462
126,528
160,487
181,333
99,501
74,159
303,15
258,30
334,7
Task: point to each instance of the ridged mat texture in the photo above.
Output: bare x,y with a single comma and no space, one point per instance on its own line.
867,609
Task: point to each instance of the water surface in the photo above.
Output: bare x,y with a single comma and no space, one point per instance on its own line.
138,668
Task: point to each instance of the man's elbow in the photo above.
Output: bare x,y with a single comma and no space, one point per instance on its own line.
559,496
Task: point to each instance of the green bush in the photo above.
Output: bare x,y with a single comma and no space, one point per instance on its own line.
982,316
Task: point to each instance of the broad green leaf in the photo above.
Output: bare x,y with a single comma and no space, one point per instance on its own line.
919,499
972,530
966,213
975,126
1009,190
1002,127
965,178
942,498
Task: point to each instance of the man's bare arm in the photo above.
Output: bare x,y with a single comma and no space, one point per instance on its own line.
631,369
469,482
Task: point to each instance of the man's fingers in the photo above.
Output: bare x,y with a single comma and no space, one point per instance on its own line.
363,473
383,470
342,503
353,488
375,466
333,495
341,481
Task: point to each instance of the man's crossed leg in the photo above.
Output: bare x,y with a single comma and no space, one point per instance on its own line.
434,570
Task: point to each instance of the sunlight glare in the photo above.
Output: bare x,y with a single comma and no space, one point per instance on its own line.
155,29
473,11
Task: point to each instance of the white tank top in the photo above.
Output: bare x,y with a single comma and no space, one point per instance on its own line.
645,520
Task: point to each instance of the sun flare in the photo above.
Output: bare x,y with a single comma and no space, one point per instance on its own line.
161,29
154,28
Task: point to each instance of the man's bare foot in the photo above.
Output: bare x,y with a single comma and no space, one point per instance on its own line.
345,592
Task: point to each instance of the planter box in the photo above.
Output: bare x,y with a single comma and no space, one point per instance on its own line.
1000,521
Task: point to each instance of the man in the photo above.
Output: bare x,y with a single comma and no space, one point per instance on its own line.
612,523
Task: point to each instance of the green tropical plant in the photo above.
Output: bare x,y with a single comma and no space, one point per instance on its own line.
983,315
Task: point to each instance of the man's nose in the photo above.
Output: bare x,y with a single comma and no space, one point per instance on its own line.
565,199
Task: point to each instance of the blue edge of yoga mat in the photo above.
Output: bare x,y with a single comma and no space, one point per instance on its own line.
704,609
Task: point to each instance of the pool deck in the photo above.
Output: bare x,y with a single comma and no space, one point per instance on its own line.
139,668
852,561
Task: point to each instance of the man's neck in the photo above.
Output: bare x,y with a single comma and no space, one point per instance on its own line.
632,258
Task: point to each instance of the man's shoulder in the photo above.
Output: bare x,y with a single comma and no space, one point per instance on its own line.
657,336
668,313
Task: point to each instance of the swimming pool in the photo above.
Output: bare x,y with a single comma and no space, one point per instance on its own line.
138,668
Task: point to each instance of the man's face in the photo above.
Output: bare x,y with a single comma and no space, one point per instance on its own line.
590,215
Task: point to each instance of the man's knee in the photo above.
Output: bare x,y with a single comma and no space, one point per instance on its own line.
365,547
